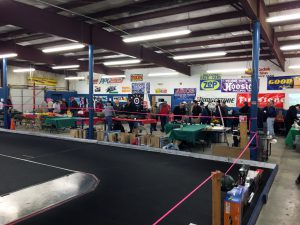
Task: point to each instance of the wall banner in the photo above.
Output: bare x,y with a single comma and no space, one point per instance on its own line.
126,89
184,95
41,81
229,98
236,85
139,88
116,80
136,77
283,82
161,91
210,82
263,99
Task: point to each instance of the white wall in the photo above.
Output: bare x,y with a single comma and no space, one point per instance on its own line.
182,81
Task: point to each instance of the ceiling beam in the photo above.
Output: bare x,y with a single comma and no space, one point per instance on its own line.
256,10
283,6
169,12
186,22
71,5
247,58
35,55
42,21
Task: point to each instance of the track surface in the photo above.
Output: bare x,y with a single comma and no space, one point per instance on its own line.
136,187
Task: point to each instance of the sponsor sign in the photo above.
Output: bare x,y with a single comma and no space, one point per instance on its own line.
139,88
229,98
97,88
210,82
136,77
120,98
111,80
161,91
283,82
126,89
184,95
263,99
112,89
236,85
138,99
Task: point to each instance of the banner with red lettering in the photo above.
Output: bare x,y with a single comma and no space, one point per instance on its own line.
263,99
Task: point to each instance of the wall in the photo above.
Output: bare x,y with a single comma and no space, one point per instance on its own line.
193,81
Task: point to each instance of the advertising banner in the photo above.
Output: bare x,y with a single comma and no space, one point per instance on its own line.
236,85
41,81
210,82
161,91
263,99
137,99
139,88
184,95
136,77
283,82
126,89
229,98
116,80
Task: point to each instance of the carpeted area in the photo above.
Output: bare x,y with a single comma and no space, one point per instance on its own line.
136,187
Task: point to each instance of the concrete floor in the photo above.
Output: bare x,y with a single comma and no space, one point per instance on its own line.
283,206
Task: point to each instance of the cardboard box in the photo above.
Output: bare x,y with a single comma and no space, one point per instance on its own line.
232,152
124,138
74,133
154,141
145,139
100,135
133,139
112,137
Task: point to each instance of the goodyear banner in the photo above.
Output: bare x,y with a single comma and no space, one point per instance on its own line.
283,82
210,82
236,85
41,81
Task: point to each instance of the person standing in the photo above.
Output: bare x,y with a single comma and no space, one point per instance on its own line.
74,107
291,117
50,105
130,108
270,114
164,111
56,107
298,179
63,106
179,111
245,110
109,113
153,113
196,112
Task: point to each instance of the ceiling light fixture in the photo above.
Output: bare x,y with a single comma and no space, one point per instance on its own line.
275,19
122,62
227,70
8,55
74,78
113,76
294,67
290,47
23,70
147,37
163,74
65,67
201,55
63,48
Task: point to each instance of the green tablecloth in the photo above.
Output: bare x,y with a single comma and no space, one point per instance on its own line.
189,133
171,126
61,122
290,138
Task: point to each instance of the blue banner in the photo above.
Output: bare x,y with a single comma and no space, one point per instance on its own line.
279,83
184,95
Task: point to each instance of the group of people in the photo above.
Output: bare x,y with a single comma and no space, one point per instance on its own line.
55,106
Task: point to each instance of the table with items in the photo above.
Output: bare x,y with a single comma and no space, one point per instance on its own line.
290,138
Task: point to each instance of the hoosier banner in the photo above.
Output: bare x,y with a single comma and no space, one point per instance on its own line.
263,99
236,85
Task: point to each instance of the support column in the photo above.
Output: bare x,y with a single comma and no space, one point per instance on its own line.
255,87
5,90
91,92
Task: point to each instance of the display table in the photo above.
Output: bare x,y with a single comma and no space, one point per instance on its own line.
61,122
290,138
188,133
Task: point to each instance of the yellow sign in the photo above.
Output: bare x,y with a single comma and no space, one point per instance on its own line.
41,81
126,89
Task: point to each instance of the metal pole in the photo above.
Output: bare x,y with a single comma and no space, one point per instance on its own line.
91,92
5,89
255,87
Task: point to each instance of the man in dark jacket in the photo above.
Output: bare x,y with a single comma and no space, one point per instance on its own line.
245,110
291,116
196,111
179,111
270,114
131,109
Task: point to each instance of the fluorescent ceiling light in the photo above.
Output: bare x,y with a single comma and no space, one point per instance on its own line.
294,67
63,48
122,62
290,47
227,70
74,78
65,67
275,19
8,55
24,70
113,76
162,74
201,55
148,37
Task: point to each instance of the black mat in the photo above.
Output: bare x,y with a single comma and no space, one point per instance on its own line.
17,174
136,187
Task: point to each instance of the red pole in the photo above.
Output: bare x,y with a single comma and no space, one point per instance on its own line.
34,96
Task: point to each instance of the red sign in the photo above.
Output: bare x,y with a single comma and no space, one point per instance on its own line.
263,99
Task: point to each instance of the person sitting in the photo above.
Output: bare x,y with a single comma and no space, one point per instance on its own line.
179,111
291,117
196,112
